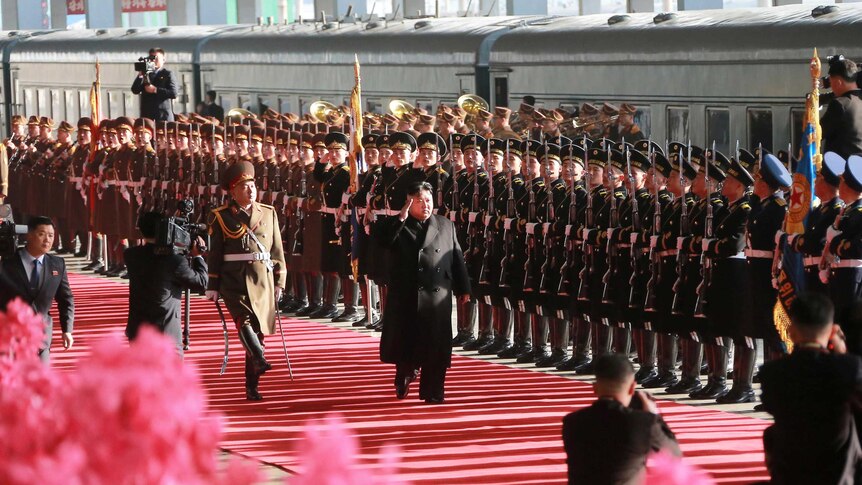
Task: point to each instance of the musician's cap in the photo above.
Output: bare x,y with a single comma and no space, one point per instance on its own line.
572,152
483,115
432,141
237,173
459,112
448,117
443,108
501,112
46,122
427,119
526,109
628,109
832,168
336,141
33,121
66,127
774,172
588,109
402,141
644,146
472,142
419,111
740,173
610,109
18,120
408,118
180,118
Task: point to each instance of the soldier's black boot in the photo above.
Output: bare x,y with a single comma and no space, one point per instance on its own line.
96,255
502,326
645,344
314,283
581,346
251,342
351,302
603,339
471,316
542,344
716,385
251,380
667,353
486,328
559,344
622,343
743,371
462,311
330,298
521,345
692,354
535,348
300,293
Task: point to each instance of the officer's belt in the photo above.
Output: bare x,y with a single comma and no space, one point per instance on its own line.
668,252
811,261
360,211
743,254
128,183
75,179
247,257
386,212
759,254
110,182
328,210
848,263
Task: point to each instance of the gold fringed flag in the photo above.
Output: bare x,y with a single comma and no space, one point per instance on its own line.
355,162
95,110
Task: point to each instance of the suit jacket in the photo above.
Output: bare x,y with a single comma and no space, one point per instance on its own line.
842,125
811,395
156,283
53,286
427,266
157,106
608,443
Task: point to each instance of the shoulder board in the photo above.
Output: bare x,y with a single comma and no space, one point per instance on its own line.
645,195
266,206
781,202
345,167
859,208
150,149
483,175
745,206
517,181
220,208
716,200
441,171
664,195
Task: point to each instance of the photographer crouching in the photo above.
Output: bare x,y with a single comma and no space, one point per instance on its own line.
157,279
156,85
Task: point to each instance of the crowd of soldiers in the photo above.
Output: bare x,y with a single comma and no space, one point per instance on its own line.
578,233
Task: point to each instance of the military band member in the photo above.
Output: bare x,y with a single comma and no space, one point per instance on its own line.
500,124
306,225
247,267
627,128
57,161
482,123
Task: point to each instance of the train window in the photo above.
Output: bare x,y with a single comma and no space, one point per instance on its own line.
57,111
677,124
643,120
760,127
130,103
425,104
72,111
374,106
797,115
226,102
501,91
718,128
245,102
29,103
303,106
266,101
284,105
84,103
43,101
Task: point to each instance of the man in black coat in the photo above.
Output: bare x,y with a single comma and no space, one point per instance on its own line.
40,279
609,441
157,281
813,395
427,267
842,121
157,89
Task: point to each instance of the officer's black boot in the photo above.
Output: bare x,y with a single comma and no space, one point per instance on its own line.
251,380
622,339
542,346
743,371
645,344
471,317
581,346
716,385
486,328
502,327
96,262
351,301
692,355
251,342
462,311
559,344
314,282
521,323
300,294
535,340
603,340
507,327
331,290
667,353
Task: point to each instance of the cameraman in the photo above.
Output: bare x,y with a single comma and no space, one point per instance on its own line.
156,282
813,395
157,88
842,121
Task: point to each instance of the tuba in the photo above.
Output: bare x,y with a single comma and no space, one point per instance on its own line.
320,111
472,103
399,108
235,116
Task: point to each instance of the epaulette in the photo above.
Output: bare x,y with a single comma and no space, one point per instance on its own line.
664,195
441,171
645,195
266,205
345,167
716,200
781,202
859,208
745,205
220,208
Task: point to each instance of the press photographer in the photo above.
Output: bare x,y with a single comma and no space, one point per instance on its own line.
156,85
159,272
842,121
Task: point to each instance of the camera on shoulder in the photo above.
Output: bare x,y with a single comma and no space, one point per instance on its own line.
9,232
146,64
176,235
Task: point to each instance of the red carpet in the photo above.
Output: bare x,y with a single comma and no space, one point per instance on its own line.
499,424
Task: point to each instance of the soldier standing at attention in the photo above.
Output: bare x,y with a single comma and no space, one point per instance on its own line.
247,268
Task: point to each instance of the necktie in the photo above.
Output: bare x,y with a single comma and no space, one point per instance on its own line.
34,276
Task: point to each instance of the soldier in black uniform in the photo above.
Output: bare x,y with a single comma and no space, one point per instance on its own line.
360,205
452,190
810,243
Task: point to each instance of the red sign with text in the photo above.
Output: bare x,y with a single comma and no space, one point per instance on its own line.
132,6
75,7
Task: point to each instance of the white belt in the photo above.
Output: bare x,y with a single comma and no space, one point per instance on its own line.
110,182
742,255
360,210
247,257
386,212
759,254
75,179
848,263
329,210
668,252
811,261
624,245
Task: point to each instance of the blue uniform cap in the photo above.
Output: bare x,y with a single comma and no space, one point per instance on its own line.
774,172
853,173
832,168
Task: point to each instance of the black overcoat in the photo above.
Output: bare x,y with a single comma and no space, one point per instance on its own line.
424,272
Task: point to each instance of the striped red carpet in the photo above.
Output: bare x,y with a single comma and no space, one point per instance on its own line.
499,424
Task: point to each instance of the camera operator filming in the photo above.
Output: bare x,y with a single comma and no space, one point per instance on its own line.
159,274
156,85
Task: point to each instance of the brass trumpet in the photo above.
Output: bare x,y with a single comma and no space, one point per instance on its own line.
581,126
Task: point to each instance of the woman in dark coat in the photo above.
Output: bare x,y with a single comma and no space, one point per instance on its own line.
427,266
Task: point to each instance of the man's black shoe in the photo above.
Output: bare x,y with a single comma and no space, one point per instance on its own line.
513,351
712,390
402,385
348,315
478,343
325,312
686,385
434,400
644,374
80,254
661,380
307,311
493,348
553,359
586,369
572,363
92,266
252,394
737,396
458,340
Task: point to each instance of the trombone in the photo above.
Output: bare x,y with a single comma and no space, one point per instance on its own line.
581,126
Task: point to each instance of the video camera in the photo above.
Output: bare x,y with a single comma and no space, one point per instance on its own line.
176,235
9,232
146,64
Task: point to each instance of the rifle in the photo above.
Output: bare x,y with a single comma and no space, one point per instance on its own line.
681,257
529,279
587,270
634,251
509,238
300,217
456,197
654,258
565,281
472,231
488,232
613,222
705,266
548,264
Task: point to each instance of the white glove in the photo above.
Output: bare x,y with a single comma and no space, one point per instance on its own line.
587,233
610,232
78,186
704,244
633,237
125,193
831,232
679,243
653,242
791,239
778,237
824,276
139,199
212,295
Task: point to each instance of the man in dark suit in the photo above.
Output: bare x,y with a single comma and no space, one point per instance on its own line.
609,441
157,281
157,89
39,279
842,121
426,261
211,108
813,395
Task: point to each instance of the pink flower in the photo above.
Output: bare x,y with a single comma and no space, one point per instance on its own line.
665,469
21,332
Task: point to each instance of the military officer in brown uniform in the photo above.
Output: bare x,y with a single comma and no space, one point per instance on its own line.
247,268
